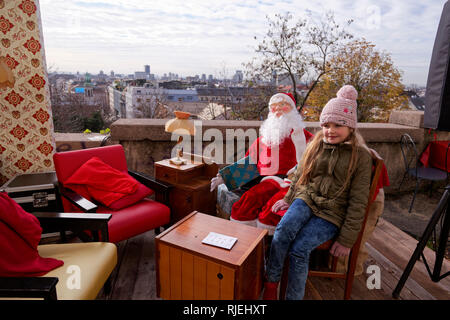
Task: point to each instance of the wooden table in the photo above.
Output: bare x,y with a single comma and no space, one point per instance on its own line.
188,269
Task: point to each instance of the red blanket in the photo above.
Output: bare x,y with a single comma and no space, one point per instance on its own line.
20,233
383,181
103,183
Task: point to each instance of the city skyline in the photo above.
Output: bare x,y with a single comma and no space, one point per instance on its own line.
217,37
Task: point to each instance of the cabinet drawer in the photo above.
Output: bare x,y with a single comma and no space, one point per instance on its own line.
204,200
175,176
182,203
164,174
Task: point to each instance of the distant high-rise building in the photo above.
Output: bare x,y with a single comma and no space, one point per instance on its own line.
112,73
87,78
140,75
101,76
147,69
203,77
210,78
274,79
238,76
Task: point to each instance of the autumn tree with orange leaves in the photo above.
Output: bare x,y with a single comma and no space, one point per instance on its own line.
371,72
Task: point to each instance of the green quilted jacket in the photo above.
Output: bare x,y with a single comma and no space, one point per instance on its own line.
347,210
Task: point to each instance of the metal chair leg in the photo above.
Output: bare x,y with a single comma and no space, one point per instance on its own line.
414,196
431,189
403,179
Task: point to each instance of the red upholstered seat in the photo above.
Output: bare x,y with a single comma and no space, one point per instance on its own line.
141,217
127,222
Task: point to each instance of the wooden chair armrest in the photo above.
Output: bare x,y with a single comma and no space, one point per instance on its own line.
159,187
28,287
76,199
76,222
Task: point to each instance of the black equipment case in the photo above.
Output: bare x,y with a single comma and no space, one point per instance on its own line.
34,191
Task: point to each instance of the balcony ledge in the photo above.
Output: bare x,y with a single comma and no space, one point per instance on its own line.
146,142
153,129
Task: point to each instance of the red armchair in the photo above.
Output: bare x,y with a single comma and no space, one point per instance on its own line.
127,222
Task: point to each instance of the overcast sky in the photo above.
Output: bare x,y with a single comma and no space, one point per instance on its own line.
192,37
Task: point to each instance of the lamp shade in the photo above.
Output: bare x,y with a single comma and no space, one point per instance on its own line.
181,124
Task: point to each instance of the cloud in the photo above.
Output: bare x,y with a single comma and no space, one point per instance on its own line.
194,37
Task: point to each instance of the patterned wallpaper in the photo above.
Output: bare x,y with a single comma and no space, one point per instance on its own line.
26,125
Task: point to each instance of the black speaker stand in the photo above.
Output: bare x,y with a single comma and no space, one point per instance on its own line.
442,212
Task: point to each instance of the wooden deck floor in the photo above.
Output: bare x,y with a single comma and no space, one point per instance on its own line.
389,248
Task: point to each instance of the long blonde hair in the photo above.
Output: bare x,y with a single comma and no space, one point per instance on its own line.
315,148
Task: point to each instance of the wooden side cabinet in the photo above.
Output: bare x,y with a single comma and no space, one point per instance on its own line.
187,269
191,186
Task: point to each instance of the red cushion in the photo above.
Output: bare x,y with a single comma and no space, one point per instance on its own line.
104,183
141,217
141,192
20,233
67,162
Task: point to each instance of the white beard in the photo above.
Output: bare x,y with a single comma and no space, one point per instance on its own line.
274,130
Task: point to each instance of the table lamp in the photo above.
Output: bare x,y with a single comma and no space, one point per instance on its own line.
180,125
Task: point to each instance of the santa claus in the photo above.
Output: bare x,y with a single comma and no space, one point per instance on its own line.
267,164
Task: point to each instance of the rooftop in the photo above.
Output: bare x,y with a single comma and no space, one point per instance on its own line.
389,248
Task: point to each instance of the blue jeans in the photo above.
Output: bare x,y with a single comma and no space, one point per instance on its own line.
298,233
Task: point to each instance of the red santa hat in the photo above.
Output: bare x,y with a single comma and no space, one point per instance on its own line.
283,96
298,137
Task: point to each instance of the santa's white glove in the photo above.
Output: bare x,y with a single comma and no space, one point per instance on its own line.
216,181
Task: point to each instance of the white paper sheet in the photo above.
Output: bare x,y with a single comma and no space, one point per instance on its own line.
219,240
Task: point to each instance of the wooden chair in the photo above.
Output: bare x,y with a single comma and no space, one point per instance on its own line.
349,275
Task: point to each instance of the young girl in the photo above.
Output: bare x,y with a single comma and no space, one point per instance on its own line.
327,197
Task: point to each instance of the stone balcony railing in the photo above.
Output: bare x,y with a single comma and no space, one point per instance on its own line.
145,140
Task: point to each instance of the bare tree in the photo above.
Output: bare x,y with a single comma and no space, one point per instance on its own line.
253,104
325,37
281,51
299,50
70,110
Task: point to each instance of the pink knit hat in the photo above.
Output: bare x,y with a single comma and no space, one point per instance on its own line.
342,109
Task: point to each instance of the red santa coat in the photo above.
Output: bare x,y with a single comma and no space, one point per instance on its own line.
274,160
254,207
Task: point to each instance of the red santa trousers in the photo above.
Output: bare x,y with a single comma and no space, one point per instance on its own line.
255,206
